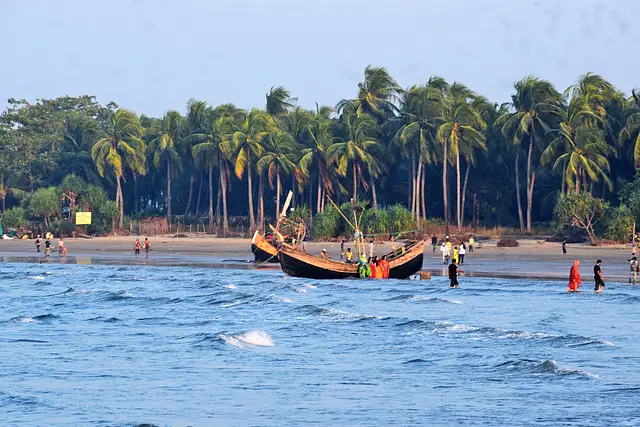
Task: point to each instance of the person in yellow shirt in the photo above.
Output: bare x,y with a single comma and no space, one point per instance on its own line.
471,243
349,256
455,254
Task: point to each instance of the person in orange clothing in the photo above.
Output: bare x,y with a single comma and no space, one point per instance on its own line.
374,268
383,265
574,277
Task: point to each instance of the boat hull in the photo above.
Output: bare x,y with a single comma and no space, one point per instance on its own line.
404,263
262,250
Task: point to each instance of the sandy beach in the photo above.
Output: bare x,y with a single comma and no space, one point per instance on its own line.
532,259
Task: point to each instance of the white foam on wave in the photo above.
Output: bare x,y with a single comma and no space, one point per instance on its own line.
232,304
554,367
301,291
231,286
36,277
26,320
311,286
445,326
253,338
452,301
281,299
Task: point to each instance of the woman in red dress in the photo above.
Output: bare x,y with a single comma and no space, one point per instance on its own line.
574,277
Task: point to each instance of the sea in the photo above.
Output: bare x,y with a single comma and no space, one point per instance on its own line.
104,345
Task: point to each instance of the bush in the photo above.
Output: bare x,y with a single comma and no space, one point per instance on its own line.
620,224
508,243
326,224
14,218
64,228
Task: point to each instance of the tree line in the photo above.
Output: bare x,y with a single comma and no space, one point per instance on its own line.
439,148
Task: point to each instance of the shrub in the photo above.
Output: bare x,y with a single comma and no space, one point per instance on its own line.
620,224
508,243
326,224
14,218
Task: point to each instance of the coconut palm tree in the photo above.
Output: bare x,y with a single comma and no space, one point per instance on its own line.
358,143
212,147
247,146
196,111
631,130
321,135
536,106
121,148
167,147
376,95
279,101
279,147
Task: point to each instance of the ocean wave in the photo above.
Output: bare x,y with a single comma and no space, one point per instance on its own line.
414,361
301,291
489,333
335,314
279,298
252,338
231,286
35,277
543,367
421,298
104,319
41,318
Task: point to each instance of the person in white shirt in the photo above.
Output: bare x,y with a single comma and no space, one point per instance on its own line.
462,253
445,253
372,248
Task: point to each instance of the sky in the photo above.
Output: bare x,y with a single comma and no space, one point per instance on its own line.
154,55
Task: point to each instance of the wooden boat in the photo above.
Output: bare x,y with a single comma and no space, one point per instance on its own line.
403,263
262,249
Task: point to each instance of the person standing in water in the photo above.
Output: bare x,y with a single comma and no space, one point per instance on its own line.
136,248
434,241
147,246
462,252
445,253
47,247
453,274
597,277
456,252
38,244
564,248
574,277
471,243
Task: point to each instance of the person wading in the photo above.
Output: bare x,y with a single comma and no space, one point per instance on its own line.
574,277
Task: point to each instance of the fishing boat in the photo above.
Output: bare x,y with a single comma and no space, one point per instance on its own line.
403,263
262,249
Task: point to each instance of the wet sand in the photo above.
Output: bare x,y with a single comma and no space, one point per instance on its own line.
530,260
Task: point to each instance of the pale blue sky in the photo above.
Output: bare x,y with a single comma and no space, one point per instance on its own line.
150,56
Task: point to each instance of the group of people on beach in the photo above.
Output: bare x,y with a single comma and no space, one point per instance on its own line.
575,280
449,251
62,248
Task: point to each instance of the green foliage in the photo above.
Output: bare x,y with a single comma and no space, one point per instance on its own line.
301,212
630,197
45,202
14,218
619,224
580,210
327,224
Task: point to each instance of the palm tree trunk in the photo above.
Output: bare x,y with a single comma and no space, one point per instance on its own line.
261,204
119,200
187,209
324,197
529,182
424,197
210,195
355,183
319,192
135,193
294,190
533,181
414,189
518,198
225,217
458,189
409,189
218,197
197,211
373,193
278,184
4,203
418,196
252,219
169,192
464,192
444,186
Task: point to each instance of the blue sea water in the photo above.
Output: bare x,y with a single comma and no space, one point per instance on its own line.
128,345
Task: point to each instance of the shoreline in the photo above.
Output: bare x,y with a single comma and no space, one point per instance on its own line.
531,260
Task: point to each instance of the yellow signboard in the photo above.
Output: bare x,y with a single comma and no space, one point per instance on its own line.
83,218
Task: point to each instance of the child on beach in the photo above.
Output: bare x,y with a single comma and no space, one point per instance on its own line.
445,253
147,246
462,252
136,248
47,247
434,242
455,254
38,244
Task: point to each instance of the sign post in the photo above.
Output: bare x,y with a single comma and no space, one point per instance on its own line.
83,218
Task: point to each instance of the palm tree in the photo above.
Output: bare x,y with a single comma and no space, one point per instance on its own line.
582,144
279,100
537,105
247,142
631,129
462,128
121,148
279,147
321,134
213,147
358,141
167,148
376,95
196,111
